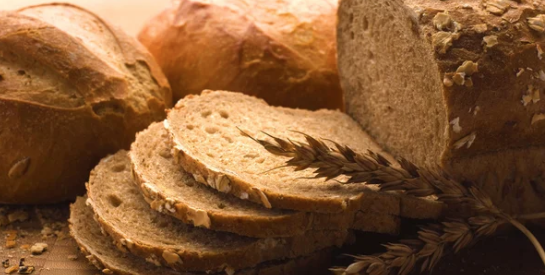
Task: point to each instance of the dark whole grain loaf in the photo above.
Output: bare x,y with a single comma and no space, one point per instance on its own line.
454,83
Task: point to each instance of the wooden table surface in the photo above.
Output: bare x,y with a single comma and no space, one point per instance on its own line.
58,257
129,14
506,254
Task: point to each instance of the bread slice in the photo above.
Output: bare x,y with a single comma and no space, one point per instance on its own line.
161,181
100,251
208,143
124,214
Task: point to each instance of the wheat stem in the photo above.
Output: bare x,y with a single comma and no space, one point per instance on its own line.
532,216
372,168
529,235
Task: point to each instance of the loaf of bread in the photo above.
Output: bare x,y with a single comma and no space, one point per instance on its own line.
72,89
454,83
281,51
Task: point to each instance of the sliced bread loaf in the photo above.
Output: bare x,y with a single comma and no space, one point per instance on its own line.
455,84
124,214
208,143
171,190
100,251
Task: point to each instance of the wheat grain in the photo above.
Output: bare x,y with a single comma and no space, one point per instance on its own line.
373,168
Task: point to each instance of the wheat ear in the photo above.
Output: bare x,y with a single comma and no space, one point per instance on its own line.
372,168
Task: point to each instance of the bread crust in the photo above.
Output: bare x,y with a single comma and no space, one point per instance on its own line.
281,51
65,103
488,56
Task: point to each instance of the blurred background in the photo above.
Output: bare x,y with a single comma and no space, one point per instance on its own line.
128,14
504,254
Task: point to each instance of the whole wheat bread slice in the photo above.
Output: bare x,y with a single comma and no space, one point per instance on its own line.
100,251
171,190
208,143
124,214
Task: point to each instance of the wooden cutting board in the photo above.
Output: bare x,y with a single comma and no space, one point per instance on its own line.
56,259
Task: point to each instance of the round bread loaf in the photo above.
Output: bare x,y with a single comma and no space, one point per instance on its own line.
454,83
281,51
72,89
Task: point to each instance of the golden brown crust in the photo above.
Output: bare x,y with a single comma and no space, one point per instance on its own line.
63,105
282,51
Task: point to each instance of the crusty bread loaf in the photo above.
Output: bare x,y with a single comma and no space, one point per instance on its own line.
208,143
72,89
161,181
124,214
100,251
454,83
281,51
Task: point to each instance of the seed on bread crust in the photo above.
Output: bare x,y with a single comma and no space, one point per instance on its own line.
263,198
223,184
153,260
490,41
467,141
537,23
443,22
537,118
442,41
199,217
127,243
497,7
456,125
19,168
244,196
171,257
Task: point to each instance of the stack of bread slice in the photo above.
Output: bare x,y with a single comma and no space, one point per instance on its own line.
196,195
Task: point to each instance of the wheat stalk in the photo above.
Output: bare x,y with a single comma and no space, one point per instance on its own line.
372,168
425,251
